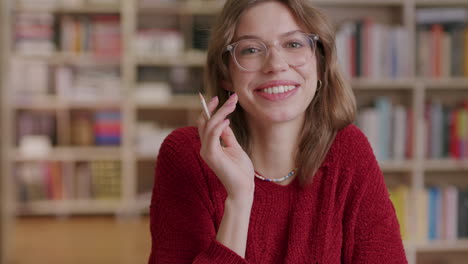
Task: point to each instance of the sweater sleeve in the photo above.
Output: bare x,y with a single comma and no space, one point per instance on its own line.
377,236
181,212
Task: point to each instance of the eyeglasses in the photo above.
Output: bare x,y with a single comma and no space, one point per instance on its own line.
251,54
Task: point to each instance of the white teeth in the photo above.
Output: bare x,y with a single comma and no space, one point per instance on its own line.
278,89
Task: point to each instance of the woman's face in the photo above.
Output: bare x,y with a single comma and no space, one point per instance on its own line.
269,22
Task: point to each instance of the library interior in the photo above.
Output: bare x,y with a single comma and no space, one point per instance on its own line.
105,81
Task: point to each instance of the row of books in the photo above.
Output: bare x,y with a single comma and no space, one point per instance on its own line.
447,130
442,40
99,128
442,212
389,129
33,33
372,50
159,42
31,79
99,35
42,181
441,50
88,83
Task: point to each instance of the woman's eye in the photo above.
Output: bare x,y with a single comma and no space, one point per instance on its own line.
252,50
294,44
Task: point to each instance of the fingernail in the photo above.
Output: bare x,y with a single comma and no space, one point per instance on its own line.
214,99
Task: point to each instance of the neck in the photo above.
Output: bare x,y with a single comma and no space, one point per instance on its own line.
274,147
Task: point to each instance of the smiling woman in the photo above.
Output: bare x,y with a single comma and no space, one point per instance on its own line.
277,173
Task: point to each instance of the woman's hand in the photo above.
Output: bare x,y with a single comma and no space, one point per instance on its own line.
230,163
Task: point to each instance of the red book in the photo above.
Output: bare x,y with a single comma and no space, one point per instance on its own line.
367,46
107,128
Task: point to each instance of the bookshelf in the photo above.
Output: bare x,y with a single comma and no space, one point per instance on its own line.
6,216
141,69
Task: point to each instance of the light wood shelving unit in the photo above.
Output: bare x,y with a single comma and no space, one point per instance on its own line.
386,11
6,212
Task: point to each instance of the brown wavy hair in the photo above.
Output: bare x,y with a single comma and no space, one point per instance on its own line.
333,106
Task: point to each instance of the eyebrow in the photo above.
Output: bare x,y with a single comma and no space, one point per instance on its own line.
256,37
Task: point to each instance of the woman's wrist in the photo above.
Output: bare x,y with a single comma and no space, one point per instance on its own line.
243,197
233,230
240,201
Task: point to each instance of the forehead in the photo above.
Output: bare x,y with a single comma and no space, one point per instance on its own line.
267,20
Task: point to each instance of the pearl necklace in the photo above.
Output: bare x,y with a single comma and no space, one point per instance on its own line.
276,180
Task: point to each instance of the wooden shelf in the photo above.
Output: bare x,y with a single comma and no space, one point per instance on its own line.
213,7
141,157
95,104
66,207
189,102
372,84
60,58
396,166
188,8
446,165
37,103
72,154
194,59
438,3
443,246
91,9
446,84
397,3
56,103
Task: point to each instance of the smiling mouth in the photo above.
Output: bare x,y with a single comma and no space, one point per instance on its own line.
278,89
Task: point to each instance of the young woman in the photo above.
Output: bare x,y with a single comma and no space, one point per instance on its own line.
278,174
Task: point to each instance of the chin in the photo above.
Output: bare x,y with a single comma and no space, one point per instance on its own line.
283,117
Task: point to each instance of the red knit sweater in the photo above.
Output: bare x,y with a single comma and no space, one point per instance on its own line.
343,216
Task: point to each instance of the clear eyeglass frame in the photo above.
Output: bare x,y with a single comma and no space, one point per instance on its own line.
232,49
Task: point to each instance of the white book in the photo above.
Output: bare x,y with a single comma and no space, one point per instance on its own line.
402,44
399,132
377,37
64,81
452,213
347,30
368,121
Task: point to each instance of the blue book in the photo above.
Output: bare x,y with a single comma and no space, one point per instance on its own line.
434,212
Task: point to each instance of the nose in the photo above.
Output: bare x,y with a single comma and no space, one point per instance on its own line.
274,61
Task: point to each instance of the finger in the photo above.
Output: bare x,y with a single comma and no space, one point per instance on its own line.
212,104
212,142
228,107
229,139
201,120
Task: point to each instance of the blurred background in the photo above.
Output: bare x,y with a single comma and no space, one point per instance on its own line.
90,88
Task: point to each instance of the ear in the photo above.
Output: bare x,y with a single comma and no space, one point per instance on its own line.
227,85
